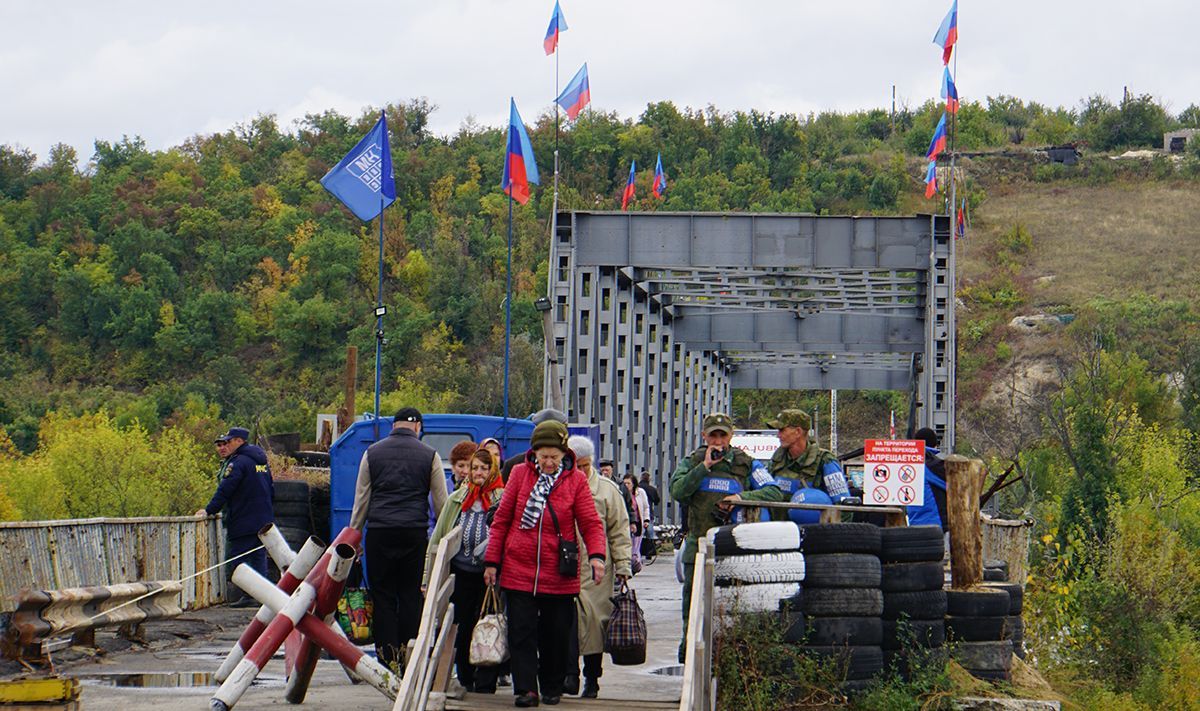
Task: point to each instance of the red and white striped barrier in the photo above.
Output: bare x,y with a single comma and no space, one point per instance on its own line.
293,572
364,666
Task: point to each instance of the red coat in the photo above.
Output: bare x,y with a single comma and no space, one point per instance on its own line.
528,559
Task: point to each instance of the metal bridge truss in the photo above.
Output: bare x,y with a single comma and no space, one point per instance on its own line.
658,316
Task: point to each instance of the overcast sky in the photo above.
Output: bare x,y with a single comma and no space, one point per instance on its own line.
74,71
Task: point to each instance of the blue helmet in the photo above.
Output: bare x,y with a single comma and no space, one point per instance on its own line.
808,495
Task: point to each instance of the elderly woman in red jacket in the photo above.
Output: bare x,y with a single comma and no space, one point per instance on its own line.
545,499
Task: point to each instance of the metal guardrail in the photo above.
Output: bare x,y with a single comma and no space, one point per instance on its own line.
77,553
42,614
699,687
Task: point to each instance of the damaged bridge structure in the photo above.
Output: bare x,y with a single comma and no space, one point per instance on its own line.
657,317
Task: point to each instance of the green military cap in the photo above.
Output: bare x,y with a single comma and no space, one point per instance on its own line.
718,421
791,418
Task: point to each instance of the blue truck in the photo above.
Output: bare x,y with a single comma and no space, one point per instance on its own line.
440,431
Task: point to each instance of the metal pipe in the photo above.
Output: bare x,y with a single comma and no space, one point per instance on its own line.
302,563
364,666
277,547
329,591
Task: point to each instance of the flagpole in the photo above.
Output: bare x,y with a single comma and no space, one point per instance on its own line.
379,321
508,311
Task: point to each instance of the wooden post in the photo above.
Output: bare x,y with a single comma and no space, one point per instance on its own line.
964,482
346,411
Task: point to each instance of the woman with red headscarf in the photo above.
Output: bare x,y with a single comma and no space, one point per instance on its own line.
470,506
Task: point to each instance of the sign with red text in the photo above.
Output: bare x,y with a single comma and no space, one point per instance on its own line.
894,472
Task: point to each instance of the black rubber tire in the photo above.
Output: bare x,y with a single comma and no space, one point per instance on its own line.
975,629
983,656
852,687
795,626
901,660
913,554
996,564
990,674
291,509
294,522
977,603
843,602
922,605
841,570
910,537
860,662
841,631
841,538
899,634
1016,596
912,577
295,537
995,575
753,538
793,604
291,490
1014,629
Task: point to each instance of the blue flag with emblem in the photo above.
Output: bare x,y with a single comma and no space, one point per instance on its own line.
363,179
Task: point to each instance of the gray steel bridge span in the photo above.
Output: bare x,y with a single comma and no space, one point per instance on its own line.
656,317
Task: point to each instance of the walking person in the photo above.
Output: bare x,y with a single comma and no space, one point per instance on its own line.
649,547
639,515
245,491
703,481
397,476
594,606
470,506
533,553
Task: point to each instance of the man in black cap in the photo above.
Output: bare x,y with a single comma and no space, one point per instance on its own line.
548,414
246,489
396,477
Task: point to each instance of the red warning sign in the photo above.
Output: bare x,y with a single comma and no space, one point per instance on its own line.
897,469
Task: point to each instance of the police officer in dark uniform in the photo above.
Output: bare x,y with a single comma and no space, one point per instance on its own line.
800,463
245,489
703,481
396,477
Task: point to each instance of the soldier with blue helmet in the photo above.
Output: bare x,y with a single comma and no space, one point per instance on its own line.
801,464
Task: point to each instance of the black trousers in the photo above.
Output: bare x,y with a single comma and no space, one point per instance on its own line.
395,564
593,664
257,560
539,629
468,599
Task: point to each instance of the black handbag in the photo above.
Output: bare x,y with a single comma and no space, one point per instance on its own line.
568,551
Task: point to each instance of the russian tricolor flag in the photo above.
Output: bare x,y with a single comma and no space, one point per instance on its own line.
938,144
520,167
629,189
947,34
660,179
960,226
931,179
577,95
558,23
949,91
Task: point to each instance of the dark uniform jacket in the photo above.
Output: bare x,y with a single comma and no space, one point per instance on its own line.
701,489
246,488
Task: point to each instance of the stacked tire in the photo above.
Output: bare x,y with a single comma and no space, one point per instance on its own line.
758,567
842,601
293,514
914,602
977,624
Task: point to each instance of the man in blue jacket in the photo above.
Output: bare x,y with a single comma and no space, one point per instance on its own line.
245,490
933,511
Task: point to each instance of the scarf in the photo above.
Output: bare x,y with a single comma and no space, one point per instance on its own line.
483,492
537,498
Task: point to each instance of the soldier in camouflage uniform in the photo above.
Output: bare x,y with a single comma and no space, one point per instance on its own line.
711,479
799,464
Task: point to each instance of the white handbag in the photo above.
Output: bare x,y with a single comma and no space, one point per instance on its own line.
489,639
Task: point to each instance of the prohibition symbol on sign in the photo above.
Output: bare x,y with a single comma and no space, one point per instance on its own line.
881,473
906,494
880,494
907,474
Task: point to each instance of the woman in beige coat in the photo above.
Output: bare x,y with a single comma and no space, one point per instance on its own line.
594,605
